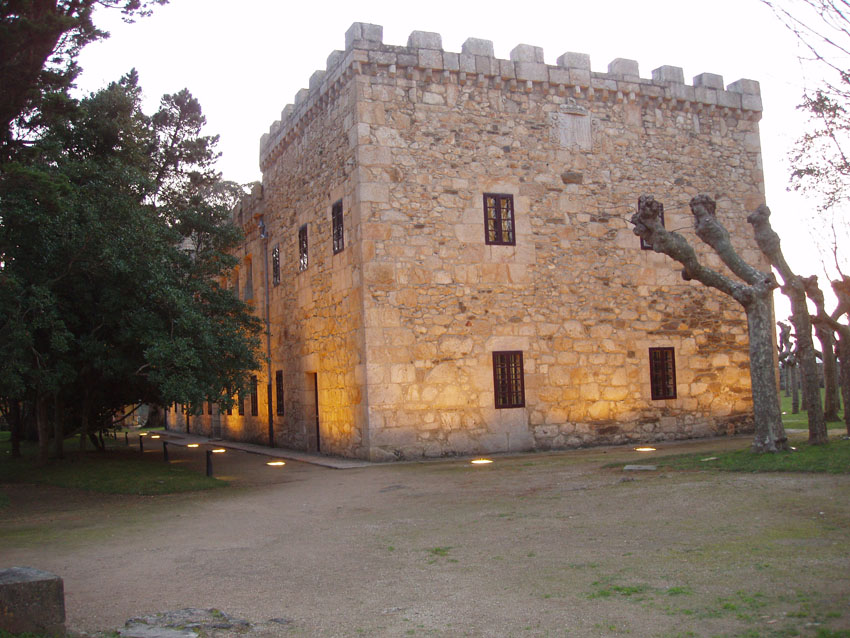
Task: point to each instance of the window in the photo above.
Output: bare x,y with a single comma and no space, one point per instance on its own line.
278,385
508,382
302,248
209,407
645,245
662,373
276,265
336,219
499,219
255,401
240,404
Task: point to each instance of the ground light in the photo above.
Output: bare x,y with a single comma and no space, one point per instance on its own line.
155,436
644,449
218,450
276,463
192,445
481,461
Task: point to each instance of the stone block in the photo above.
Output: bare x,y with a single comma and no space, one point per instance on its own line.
729,99
425,40
624,68
476,46
559,76
485,65
681,92
364,35
575,60
333,59
751,102
532,71
527,53
301,96
31,601
467,63
451,61
673,74
746,87
430,59
507,70
704,95
709,81
316,79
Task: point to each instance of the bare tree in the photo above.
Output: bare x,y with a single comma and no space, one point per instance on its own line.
754,293
841,288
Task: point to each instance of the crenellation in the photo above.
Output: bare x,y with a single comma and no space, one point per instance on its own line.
668,74
423,59
425,40
709,81
624,68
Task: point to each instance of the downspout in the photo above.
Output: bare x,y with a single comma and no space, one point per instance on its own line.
265,237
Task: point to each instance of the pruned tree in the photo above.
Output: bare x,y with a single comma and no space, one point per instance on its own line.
794,287
830,322
788,362
753,291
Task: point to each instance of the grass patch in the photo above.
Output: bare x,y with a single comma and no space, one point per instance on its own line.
118,470
801,419
833,458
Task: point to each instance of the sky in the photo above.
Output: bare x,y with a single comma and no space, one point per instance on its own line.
246,60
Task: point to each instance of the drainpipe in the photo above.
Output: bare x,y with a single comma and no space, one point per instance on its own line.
265,237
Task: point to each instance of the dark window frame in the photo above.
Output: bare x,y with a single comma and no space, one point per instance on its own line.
240,404
278,383
499,220
337,227
645,245
255,398
276,265
508,379
303,249
662,373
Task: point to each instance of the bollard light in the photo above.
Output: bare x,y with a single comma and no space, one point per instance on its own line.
644,449
192,445
481,461
276,463
219,450
165,451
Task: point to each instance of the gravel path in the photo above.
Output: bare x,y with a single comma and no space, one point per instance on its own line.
536,545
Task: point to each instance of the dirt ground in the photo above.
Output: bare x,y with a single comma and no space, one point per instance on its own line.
532,545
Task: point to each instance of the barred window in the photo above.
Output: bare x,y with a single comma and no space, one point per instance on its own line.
276,265
255,400
240,404
302,248
336,220
499,219
508,384
662,373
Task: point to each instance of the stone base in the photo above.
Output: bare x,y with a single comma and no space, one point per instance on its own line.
31,601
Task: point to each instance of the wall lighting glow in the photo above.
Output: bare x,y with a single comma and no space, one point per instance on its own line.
192,445
481,461
644,449
219,450
276,463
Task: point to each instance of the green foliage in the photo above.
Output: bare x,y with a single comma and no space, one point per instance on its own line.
115,242
833,458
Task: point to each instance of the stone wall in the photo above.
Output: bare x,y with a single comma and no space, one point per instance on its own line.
401,326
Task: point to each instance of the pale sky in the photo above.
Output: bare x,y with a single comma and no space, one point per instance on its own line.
246,60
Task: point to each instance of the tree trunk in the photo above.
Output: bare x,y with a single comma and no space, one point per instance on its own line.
826,336
58,428
43,427
844,362
786,378
84,422
16,426
769,431
795,390
809,374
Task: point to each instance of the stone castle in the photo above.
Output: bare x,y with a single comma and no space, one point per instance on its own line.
440,249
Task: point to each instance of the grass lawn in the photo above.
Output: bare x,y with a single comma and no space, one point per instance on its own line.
801,419
118,470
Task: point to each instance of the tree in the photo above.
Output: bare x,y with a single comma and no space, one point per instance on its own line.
39,44
754,294
115,240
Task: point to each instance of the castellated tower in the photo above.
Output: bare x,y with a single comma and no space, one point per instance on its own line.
441,241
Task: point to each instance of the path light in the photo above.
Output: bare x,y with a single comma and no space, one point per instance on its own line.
219,450
143,433
481,461
276,463
155,436
192,445
644,449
